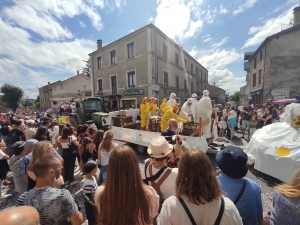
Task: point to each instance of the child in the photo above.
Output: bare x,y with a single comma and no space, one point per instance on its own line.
89,189
87,150
253,124
222,125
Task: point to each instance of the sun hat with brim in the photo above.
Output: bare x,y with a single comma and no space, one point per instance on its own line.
232,161
159,147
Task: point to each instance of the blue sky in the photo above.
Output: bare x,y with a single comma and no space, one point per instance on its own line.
46,40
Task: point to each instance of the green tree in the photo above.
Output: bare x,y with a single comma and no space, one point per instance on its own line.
37,102
236,96
12,95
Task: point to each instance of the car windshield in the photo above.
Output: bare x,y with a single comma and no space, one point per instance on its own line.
93,105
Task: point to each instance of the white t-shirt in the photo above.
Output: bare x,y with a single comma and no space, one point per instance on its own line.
173,213
232,114
167,188
29,133
106,155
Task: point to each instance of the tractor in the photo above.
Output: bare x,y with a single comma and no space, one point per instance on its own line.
89,111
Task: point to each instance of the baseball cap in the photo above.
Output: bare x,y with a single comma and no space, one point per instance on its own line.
30,122
89,166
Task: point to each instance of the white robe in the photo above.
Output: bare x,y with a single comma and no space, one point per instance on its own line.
171,102
204,109
185,111
194,110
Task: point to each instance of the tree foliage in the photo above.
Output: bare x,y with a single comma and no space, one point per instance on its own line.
12,95
236,96
86,68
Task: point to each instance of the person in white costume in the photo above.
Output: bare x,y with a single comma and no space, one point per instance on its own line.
186,110
204,109
194,107
172,101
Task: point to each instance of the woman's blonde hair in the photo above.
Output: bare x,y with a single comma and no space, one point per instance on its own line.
38,151
107,140
292,188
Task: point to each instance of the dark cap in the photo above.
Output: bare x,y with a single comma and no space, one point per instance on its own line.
232,161
89,166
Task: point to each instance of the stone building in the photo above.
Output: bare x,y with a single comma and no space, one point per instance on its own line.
144,63
217,94
274,68
64,90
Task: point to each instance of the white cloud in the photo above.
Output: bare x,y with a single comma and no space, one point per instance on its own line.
130,31
270,27
248,4
82,24
207,39
184,26
150,20
223,10
219,44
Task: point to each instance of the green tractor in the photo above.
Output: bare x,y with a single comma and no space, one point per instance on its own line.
89,111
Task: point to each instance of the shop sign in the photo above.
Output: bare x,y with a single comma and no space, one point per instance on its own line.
134,92
99,94
155,87
280,92
88,93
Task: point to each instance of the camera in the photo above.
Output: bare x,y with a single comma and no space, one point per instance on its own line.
171,139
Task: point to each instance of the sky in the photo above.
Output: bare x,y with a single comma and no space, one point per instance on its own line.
46,40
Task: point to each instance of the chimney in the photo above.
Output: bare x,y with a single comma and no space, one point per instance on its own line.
296,15
99,44
77,72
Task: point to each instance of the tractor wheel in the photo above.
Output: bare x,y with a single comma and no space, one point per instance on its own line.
141,149
74,122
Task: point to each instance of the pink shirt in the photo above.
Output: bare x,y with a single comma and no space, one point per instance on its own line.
153,196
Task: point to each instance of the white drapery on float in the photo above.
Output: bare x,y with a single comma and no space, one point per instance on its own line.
144,138
276,147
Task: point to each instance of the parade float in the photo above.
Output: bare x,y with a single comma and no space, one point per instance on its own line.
125,125
276,147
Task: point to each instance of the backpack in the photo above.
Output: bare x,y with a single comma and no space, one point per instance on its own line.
12,137
156,184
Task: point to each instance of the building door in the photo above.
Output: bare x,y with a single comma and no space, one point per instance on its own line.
114,85
129,104
114,104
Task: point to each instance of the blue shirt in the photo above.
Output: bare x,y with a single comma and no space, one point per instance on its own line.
250,203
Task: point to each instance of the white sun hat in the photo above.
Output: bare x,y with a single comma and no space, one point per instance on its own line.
159,147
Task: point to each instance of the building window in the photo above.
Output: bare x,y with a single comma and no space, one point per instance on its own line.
192,68
176,59
197,87
113,58
185,64
131,79
61,86
192,86
197,71
205,78
201,74
260,55
99,62
113,85
166,76
254,62
100,89
165,52
177,82
259,77
130,49
84,87
185,88
254,80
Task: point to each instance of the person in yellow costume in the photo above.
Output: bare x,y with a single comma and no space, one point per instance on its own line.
144,109
170,113
163,104
153,106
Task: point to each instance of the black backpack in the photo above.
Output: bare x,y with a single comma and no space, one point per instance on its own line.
12,137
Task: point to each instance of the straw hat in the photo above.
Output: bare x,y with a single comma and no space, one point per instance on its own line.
159,147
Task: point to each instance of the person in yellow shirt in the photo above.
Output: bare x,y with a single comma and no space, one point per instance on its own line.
144,109
163,104
153,106
170,113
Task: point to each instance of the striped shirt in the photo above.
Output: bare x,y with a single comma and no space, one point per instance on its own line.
90,186
55,206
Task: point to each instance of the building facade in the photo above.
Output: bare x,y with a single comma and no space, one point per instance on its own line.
144,63
63,90
274,67
217,94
